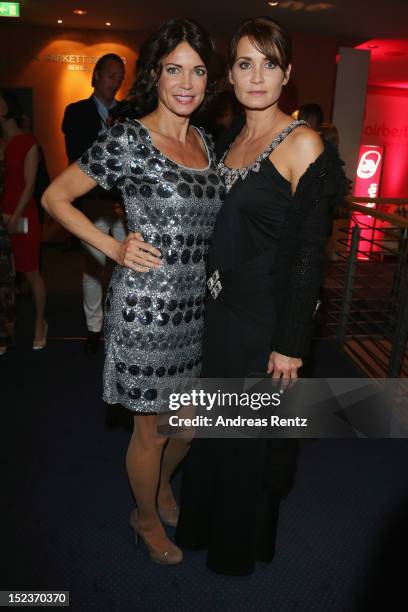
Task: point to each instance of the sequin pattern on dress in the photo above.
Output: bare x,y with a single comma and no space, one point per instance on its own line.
154,320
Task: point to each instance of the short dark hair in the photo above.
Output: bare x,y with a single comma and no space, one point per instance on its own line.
311,111
14,109
267,36
102,61
159,44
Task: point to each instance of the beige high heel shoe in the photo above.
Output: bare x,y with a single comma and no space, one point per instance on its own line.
171,556
40,344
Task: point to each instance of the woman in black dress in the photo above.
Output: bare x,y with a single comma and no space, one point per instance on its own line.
268,249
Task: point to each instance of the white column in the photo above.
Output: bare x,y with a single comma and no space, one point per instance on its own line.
349,103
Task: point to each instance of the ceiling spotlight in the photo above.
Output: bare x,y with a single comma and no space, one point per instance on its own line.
108,23
271,3
80,12
59,21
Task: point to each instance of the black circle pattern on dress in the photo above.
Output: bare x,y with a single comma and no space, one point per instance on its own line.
129,314
135,393
187,177
198,191
210,191
131,135
151,178
98,169
117,130
214,179
130,190
155,164
141,152
97,152
136,168
114,147
143,133
146,191
184,190
170,177
154,319
200,179
165,191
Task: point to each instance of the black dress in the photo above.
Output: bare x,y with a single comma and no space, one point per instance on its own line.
268,247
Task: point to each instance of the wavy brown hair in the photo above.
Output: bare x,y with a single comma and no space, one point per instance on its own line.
143,94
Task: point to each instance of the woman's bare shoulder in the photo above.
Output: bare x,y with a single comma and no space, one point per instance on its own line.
306,139
304,148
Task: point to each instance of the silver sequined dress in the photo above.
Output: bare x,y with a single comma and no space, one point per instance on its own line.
154,320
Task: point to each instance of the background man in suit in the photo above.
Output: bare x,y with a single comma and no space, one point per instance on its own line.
82,123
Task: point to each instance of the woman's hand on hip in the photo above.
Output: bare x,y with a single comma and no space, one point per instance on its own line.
283,366
138,255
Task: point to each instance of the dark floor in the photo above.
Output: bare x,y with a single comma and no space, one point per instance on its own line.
65,496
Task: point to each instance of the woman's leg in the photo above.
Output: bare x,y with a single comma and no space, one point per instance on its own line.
143,461
174,452
38,290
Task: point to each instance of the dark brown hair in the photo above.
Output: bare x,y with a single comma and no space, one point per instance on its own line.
159,44
267,36
311,111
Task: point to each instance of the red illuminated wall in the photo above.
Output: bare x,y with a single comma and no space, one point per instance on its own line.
386,123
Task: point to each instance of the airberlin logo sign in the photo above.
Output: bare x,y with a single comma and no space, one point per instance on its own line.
370,160
368,164
383,131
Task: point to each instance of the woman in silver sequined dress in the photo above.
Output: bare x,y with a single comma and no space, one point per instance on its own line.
166,171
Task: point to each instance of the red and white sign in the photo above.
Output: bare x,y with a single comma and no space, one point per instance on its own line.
369,168
367,185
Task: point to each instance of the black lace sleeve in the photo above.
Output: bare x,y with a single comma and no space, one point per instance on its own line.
302,252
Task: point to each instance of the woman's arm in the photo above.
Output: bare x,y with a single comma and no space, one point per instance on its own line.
31,162
57,201
306,148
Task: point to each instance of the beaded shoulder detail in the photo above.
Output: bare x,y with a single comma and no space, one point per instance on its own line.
231,175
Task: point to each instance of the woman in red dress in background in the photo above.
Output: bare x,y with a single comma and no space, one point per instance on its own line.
20,152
